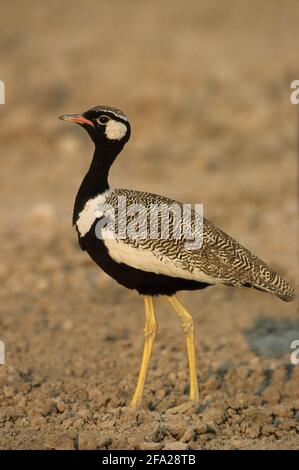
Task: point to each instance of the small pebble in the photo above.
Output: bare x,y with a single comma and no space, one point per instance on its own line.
175,445
60,405
151,445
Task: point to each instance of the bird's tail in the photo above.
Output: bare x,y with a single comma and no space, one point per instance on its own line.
269,281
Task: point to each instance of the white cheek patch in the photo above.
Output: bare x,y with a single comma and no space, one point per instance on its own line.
115,130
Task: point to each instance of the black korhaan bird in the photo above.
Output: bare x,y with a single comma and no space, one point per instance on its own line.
155,265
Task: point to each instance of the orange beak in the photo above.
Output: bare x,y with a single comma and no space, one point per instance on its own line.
77,118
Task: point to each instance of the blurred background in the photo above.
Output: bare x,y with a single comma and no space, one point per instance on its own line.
206,85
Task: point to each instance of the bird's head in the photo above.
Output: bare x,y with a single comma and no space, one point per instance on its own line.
103,124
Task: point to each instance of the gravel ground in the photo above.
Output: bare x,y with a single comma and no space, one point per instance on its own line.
207,90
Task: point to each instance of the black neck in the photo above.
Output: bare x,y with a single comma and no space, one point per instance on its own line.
96,179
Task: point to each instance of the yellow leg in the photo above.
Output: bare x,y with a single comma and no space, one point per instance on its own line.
188,328
150,329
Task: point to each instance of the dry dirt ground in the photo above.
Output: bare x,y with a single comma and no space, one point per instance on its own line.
207,88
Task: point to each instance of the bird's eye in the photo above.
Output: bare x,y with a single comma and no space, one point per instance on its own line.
103,119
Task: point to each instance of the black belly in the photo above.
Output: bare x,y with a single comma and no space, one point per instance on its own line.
146,283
